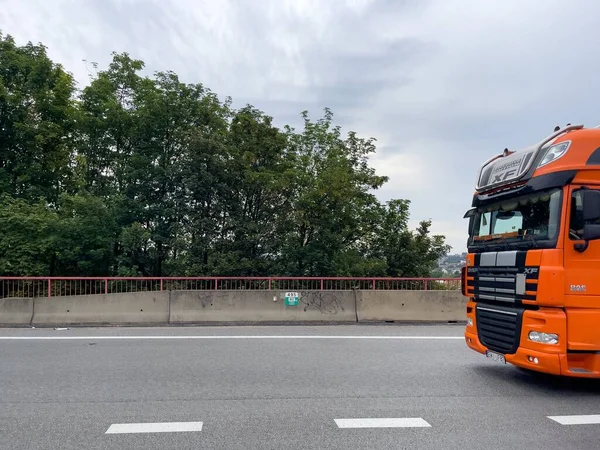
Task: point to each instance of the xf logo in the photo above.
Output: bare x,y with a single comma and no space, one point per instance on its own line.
504,176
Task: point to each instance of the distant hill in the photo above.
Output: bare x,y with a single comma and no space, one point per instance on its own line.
449,266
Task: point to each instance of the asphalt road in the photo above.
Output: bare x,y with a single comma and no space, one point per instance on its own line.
264,390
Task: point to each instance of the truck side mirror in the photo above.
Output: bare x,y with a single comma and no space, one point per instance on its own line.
470,213
591,213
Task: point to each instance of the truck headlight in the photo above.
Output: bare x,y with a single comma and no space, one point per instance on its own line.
469,322
543,338
554,152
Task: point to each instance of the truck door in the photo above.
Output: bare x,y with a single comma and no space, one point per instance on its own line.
582,279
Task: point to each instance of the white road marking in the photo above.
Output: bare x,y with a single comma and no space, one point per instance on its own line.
159,427
404,422
62,338
590,419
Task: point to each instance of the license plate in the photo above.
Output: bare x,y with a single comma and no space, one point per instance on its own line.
497,357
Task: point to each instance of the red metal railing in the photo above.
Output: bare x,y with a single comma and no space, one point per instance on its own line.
58,286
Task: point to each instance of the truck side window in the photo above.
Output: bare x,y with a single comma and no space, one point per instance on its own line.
576,219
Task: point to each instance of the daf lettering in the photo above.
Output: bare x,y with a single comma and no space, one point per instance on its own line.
578,288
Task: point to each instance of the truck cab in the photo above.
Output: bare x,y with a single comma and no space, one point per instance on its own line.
532,272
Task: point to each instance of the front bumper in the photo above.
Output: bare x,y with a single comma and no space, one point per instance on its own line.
556,360
546,362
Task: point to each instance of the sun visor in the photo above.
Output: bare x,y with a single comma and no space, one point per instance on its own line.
510,167
505,169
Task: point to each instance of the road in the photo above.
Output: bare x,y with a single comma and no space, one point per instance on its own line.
278,388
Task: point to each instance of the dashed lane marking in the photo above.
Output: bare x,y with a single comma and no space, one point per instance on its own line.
591,419
404,422
158,427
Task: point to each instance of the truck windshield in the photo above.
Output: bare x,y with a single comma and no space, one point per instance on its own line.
532,218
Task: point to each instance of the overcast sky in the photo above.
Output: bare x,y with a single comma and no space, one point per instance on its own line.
441,84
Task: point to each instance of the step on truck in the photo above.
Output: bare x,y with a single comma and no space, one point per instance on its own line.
532,272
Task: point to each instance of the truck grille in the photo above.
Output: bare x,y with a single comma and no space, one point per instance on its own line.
499,328
502,284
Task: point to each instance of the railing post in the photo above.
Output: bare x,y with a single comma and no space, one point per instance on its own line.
321,283
269,284
216,284
106,285
425,283
161,284
374,283
49,287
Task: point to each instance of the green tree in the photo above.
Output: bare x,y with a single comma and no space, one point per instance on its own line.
36,123
407,253
205,186
132,260
153,170
29,238
258,195
107,136
332,198
84,236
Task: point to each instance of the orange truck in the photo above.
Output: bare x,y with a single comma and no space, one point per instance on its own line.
532,272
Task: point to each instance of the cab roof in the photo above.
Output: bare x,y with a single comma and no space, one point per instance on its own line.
572,148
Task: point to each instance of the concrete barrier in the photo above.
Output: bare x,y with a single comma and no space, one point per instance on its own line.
16,311
150,308
411,306
261,307
188,307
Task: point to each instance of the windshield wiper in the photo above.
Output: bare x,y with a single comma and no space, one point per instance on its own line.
488,245
532,239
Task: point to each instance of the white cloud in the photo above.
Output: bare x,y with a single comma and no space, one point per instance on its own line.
405,170
441,84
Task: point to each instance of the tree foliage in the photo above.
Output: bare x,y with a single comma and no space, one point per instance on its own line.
137,175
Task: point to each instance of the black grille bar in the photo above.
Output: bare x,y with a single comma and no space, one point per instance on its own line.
499,328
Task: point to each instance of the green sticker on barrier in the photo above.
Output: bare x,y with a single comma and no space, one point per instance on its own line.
291,299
